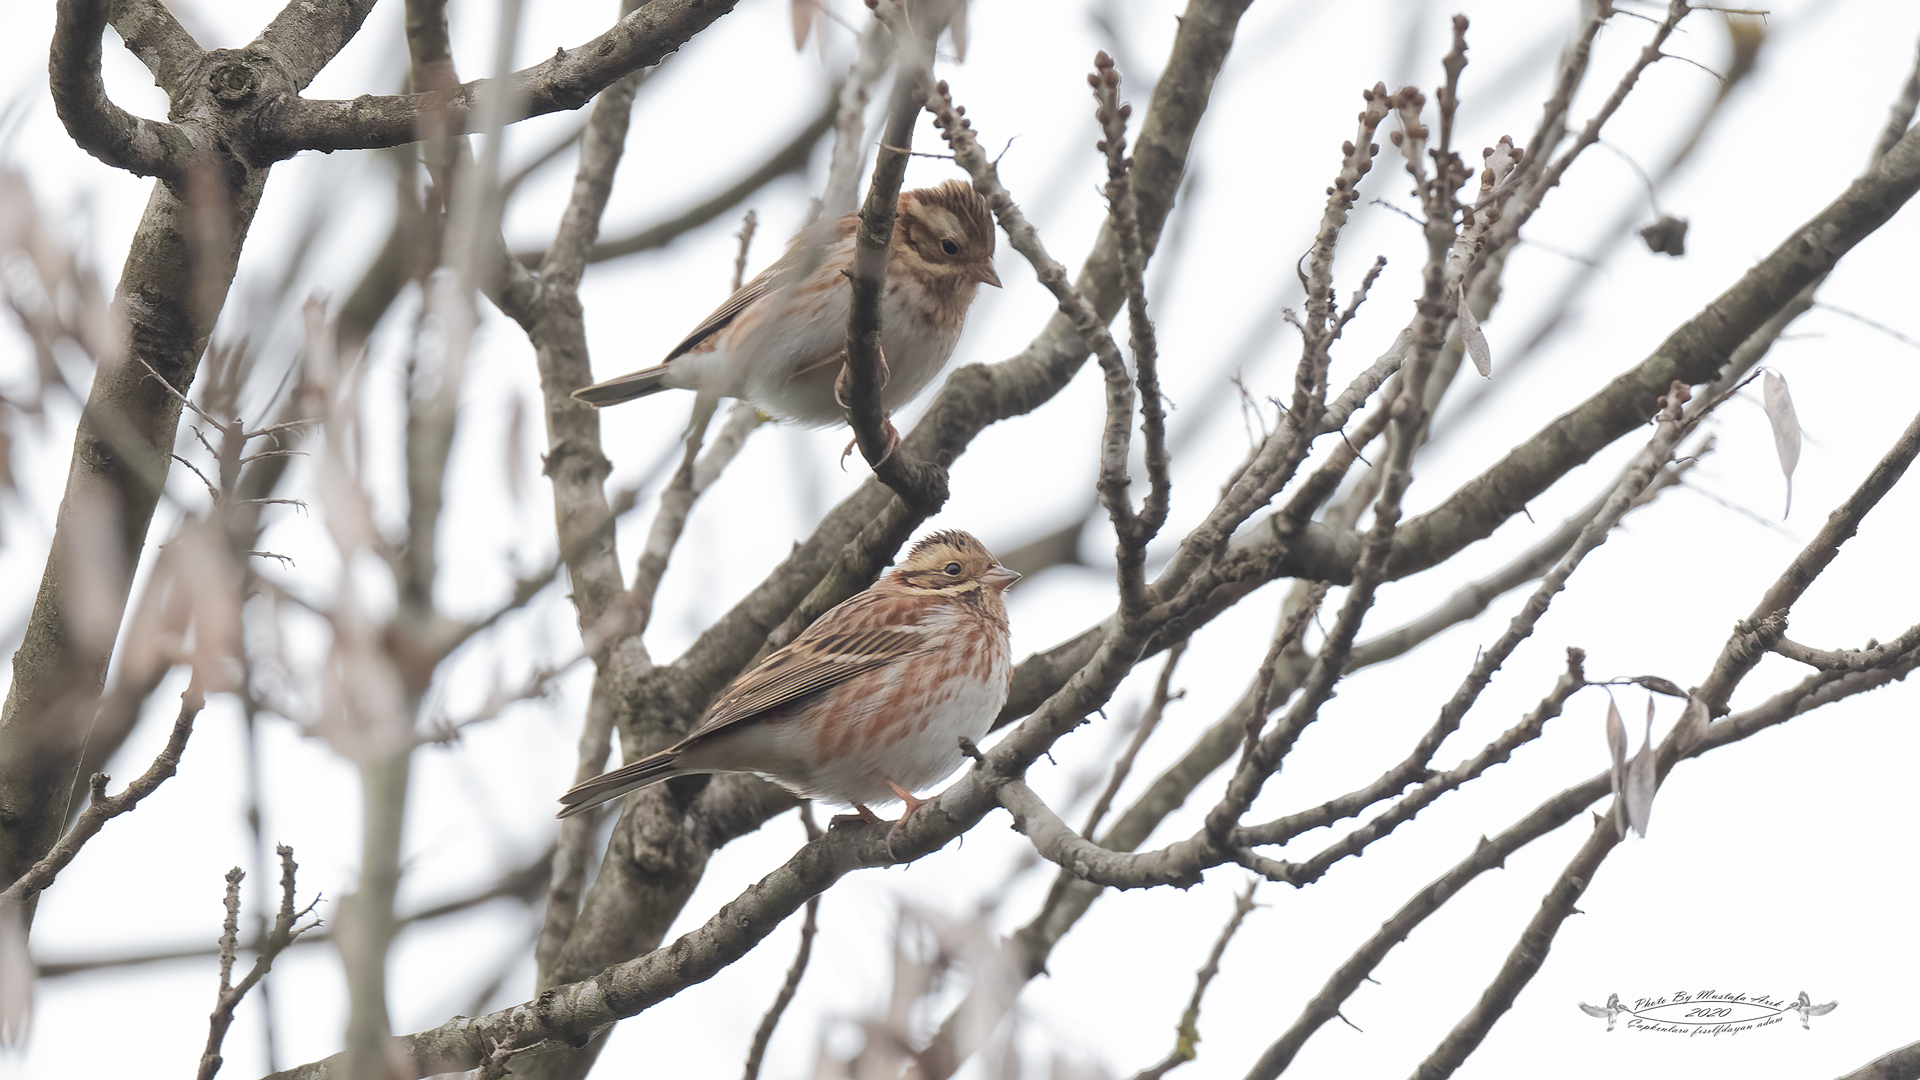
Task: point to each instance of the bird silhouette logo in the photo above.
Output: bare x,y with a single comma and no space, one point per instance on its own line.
1807,1009
1611,1011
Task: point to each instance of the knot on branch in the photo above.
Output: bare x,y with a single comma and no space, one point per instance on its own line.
1754,638
233,79
573,453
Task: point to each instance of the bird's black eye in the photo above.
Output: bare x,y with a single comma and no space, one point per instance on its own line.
949,247
953,569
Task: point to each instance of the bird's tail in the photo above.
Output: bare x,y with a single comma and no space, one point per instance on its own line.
625,388
612,785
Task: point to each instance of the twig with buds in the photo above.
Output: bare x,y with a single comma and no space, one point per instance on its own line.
284,933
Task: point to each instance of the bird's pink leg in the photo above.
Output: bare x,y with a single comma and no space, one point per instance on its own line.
906,797
860,814
893,443
840,396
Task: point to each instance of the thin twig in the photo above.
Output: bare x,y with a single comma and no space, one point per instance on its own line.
958,132
1863,320
284,933
103,808
1187,1035
808,926
1135,531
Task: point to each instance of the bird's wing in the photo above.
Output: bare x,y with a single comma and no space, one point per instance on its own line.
1592,1010
867,632
798,259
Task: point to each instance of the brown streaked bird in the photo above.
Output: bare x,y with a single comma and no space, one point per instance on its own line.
780,342
869,704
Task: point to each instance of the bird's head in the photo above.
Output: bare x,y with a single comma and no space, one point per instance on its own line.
952,562
945,235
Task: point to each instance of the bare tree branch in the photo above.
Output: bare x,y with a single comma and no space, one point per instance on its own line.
307,35
105,808
101,128
1807,566
283,934
567,80
157,38
764,1034
922,484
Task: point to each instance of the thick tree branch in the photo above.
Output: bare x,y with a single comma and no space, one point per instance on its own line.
567,80
161,43
179,266
1694,353
306,36
1900,1064
101,128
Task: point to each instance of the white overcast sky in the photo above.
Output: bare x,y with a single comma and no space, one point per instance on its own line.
1778,865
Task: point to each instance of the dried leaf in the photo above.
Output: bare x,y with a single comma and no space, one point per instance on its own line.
1668,236
803,13
1638,789
1473,339
1616,737
16,978
1617,753
1659,685
1786,430
958,28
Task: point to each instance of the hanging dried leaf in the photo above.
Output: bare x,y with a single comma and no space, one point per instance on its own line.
1786,430
1617,753
958,28
804,12
1639,786
1473,339
1616,738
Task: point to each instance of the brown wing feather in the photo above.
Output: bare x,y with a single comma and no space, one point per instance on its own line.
775,276
869,631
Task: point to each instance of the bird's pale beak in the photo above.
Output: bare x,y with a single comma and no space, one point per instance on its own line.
984,274
1000,577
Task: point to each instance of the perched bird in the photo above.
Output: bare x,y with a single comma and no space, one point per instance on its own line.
870,703
781,341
